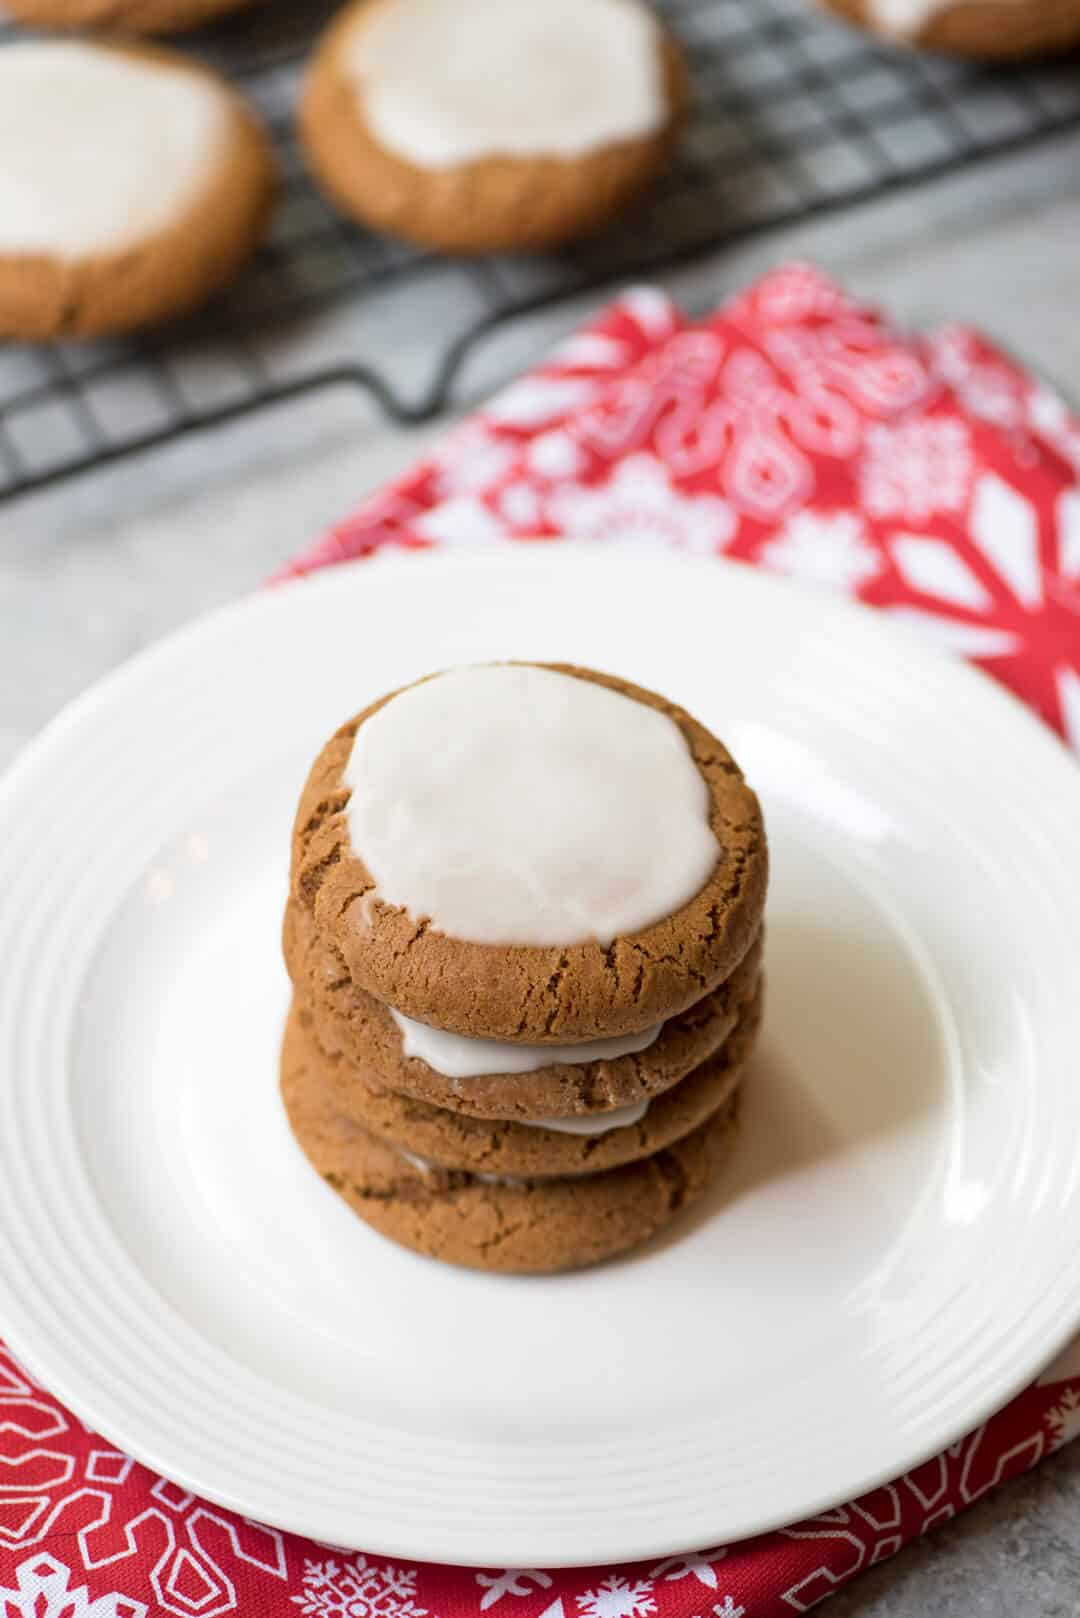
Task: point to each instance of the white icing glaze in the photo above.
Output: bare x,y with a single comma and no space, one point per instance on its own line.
422,1165
599,1123
513,805
458,1057
443,82
98,150
430,1171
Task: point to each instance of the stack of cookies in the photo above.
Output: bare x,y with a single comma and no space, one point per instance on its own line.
524,938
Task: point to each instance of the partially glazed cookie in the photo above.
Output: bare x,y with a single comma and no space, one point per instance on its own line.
534,854
476,125
121,16
573,1081
992,29
158,189
542,1149
514,1226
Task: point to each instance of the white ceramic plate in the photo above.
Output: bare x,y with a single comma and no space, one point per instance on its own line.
893,1252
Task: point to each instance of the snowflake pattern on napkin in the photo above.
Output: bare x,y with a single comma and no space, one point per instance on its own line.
929,477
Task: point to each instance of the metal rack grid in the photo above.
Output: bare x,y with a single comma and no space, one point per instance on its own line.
794,115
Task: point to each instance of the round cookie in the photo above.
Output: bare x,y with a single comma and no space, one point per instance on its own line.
482,125
351,1023
121,16
450,1140
542,993
159,189
509,1226
991,29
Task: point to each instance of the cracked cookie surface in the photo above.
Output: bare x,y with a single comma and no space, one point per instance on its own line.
541,995
494,1146
516,1227
351,1023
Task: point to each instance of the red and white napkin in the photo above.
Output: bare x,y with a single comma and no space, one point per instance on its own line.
928,476
794,430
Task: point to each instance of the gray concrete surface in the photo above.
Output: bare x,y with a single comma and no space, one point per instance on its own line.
1014,1555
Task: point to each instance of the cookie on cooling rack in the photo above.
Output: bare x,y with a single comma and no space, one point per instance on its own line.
121,16
481,125
158,190
978,28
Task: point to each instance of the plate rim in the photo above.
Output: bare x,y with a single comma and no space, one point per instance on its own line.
33,1349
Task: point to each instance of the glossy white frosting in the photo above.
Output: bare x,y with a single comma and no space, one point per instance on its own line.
458,1057
598,1123
445,82
507,804
98,149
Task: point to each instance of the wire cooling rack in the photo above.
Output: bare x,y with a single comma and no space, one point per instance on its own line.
794,115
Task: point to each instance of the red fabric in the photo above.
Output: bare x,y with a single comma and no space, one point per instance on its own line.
929,476
794,430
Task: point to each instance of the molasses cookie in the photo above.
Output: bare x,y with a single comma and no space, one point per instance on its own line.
477,125
500,1079
509,1225
981,28
121,16
534,854
157,190
553,1147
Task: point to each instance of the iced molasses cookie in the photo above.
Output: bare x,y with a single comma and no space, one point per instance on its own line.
121,16
533,854
500,1079
979,28
156,192
510,1225
477,125
543,1149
